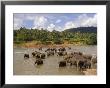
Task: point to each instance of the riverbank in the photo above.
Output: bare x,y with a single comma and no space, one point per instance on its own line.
90,72
35,44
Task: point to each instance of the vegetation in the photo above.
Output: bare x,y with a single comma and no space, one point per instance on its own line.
42,36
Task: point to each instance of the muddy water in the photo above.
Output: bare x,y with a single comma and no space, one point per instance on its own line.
23,66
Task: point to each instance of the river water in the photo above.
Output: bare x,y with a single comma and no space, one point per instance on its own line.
23,66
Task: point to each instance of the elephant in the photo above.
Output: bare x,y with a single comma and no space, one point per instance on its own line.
87,64
60,53
55,50
39,62
42,56
78,53
26,55
68,57
50,53
81,65
84,64
88,57
48,50
62,49
94,60
37,56
40,48
33,54
73,62
69,48
64,53
62,63
72,53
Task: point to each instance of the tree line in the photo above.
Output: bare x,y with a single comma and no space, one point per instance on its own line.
44,36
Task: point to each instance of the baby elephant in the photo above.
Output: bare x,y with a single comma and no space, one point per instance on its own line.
26,55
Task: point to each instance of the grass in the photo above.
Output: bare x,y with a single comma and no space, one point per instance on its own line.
48,44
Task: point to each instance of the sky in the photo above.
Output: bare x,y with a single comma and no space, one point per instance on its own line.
54,21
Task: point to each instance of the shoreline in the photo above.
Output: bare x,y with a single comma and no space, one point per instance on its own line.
90,72
34,45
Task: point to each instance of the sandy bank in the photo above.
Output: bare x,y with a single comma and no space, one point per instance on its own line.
90,72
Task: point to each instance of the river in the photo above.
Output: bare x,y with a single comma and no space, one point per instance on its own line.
23,66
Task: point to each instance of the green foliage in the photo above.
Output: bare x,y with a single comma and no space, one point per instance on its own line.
54,37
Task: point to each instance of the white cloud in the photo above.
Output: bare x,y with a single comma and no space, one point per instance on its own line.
82,21
58,28
17,23
30,18
40,22
51,27
86,21
58,21
47,22
69,24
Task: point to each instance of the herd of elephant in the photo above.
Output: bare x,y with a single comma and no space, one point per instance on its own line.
78,59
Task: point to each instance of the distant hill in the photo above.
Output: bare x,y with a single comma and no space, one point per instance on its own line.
83,29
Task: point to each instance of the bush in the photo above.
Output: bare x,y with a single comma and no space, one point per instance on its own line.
47,42
18,42
58,42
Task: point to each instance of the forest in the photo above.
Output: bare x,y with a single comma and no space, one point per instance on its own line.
43,36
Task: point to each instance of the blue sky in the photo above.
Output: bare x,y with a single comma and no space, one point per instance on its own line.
54,21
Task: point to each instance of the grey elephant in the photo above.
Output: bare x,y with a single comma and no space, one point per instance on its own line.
60,53
26,55
39,62
87,64
33,54
73,63
88,57
62,63
78,53
81,65
50,53
94,60
40,48
37,56
42,56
